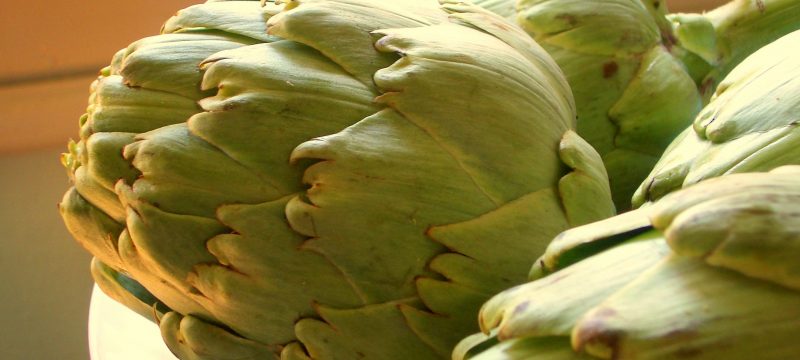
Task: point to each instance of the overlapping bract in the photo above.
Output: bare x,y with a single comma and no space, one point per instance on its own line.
326,179
709,272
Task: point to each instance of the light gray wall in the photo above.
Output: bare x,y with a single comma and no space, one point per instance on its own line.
45,284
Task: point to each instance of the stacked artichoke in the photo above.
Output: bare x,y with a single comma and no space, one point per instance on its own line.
709,271
326,179
347,179
750,125
640,76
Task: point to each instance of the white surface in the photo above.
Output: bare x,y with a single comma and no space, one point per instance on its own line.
117,333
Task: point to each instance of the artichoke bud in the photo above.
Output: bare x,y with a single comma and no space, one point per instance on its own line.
639,74
631,91
749,125
326,179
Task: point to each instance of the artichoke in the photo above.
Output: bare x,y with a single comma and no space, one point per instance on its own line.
708,272
640,76
751,124
318,179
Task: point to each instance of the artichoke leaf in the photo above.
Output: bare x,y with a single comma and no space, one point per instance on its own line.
490,263
126,291
261,264
117,107
341,29
647,120
472,345
584,241
138,267
294,351
709,315
343,333
587,180
169,62
670,171
91,227
744,222
608,27
97,194
170,158
466,14
148,226
192,338
245,18
552,305
439,325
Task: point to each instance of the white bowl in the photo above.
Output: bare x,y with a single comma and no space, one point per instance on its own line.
117,333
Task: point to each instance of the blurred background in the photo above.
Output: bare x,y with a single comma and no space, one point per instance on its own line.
51,51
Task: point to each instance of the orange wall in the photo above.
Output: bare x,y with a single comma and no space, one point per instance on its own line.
49,53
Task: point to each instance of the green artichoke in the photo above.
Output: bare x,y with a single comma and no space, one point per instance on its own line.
751,124
326,179
640,76
708,272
